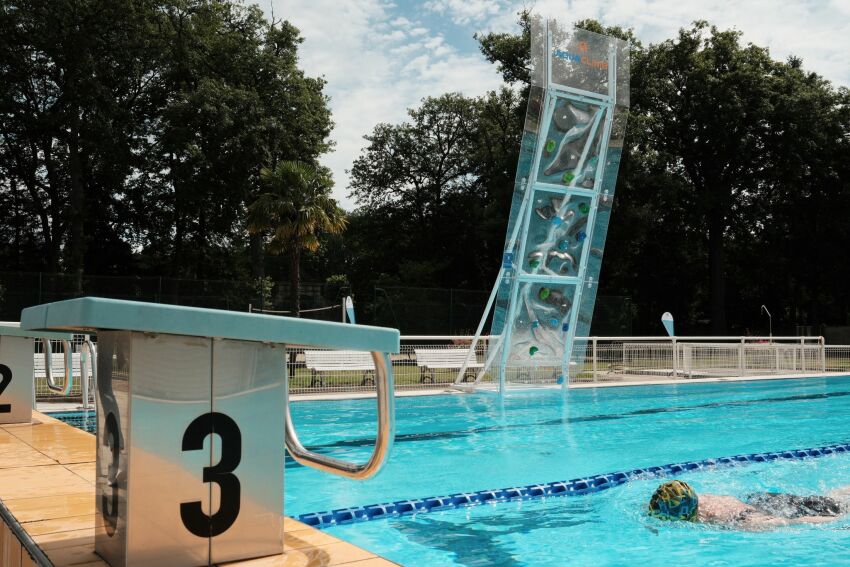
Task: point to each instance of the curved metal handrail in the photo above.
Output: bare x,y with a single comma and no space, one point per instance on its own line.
383,441
64,389
88,359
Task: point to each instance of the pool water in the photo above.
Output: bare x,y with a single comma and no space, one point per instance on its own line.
460,443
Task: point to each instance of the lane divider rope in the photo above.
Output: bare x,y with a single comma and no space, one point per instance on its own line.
575,487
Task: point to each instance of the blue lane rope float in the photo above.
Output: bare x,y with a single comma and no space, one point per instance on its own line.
575,487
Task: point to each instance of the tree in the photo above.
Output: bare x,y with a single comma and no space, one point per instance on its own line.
296,208
132,133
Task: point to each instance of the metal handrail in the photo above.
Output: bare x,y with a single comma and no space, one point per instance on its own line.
64,389
383,441
88,358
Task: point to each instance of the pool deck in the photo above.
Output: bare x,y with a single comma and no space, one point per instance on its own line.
47,482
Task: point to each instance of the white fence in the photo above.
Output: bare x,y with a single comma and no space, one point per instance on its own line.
597,359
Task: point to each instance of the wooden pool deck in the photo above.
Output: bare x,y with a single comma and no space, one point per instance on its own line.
47,482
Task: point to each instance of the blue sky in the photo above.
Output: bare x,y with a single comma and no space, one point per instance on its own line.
381,57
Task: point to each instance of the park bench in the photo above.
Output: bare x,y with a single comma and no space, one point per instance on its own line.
430,360
58,365
323,361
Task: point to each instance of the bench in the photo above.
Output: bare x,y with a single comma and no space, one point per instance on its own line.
430,360
321,361
57,364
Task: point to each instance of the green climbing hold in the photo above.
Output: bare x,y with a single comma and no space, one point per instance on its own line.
550,146
544,293
532,350
568,176
534,263
584,208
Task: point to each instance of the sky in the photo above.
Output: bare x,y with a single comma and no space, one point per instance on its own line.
381,57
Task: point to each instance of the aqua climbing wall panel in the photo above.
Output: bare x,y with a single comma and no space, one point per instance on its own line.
564,191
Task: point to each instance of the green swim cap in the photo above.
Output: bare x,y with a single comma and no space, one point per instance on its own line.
674,500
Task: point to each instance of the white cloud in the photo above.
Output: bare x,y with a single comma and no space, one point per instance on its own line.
816,31
463,12
377,64
380,59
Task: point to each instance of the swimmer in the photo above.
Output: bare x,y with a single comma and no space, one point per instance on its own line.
676,500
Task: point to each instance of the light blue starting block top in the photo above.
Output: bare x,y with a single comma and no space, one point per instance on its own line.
89,314
11,330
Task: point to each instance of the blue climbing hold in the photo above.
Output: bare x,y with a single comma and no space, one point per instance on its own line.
563,245
557,221
560,380
581,236
565,327
553,322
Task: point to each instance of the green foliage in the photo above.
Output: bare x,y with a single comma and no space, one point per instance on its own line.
132,133
263,288
435,192
731,193
335,286
295,208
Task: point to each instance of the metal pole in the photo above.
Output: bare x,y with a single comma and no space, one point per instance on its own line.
769,322
594,359
741,363
675,358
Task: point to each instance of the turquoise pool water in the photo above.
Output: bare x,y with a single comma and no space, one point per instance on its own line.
459,443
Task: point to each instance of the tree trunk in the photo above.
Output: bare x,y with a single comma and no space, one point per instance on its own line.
716,268
76,218
295,279
258,265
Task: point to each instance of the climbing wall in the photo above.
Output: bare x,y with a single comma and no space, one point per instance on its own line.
564,193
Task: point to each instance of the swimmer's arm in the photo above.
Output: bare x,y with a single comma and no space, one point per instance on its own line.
757,522
842,493
814,519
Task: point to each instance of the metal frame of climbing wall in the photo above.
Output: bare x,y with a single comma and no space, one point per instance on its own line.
544,293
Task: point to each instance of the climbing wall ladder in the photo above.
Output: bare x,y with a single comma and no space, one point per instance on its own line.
572,141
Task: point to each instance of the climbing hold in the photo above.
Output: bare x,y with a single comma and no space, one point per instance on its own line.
544,293
581,236
565,327
532,351
560,380
545,213
584,208
550,146
557,221
535,324
553,322
568,176
563,245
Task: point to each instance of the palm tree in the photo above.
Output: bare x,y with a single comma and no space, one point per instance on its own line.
295,208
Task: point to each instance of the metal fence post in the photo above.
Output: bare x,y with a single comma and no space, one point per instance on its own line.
594,359
675,358
741,358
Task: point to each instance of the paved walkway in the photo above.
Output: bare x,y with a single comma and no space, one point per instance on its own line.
47,481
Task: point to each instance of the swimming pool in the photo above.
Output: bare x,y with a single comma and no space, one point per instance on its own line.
459,443
450,444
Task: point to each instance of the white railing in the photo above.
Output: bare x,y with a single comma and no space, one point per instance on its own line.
596,359
40,386
641,358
